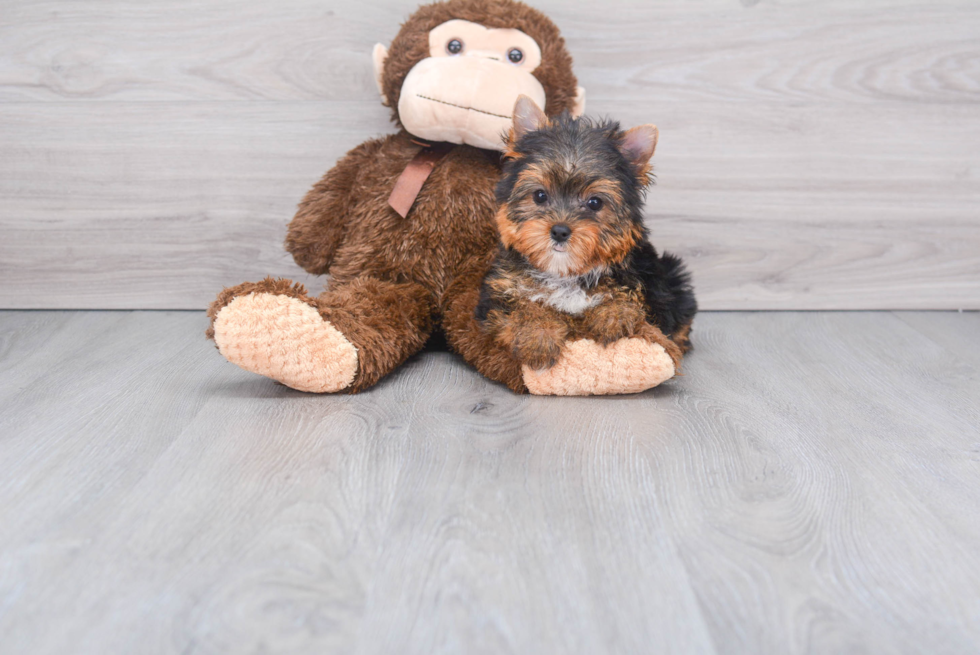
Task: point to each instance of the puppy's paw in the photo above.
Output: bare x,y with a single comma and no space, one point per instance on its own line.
611,322
538,350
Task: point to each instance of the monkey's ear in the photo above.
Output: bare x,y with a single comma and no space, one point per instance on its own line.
638,145
379,55
579,107
527,118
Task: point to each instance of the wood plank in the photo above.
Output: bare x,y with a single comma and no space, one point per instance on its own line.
252,516
808,486
159,206
958,334
886,51
818,451
882,53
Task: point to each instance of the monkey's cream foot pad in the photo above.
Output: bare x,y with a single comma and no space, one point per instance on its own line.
287,340
590,369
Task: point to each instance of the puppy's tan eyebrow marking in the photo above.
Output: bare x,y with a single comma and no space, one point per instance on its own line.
605,187
452,104
530,178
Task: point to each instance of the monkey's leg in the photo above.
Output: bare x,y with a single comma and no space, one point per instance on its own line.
346,339
468,338
629,365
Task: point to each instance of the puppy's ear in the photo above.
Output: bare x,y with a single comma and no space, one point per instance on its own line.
527,118
638,145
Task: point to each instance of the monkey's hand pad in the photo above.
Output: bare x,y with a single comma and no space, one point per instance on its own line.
589,369
287,340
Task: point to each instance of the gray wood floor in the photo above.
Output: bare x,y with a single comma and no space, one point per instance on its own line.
811,485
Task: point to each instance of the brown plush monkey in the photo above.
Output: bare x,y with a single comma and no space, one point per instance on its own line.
405,227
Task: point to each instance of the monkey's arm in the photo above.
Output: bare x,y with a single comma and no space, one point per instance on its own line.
318,227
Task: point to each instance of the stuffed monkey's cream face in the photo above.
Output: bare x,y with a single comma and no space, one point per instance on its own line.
465,91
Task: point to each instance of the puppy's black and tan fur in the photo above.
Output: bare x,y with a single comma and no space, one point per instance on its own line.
574,259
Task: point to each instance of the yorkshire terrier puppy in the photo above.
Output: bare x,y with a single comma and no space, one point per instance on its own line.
574,259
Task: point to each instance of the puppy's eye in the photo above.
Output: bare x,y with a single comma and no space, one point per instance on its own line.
540,197
454,47
515,56
595,204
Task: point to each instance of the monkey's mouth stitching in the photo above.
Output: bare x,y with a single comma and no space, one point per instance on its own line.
480,111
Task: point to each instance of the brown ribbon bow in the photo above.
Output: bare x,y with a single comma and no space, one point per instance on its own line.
410,182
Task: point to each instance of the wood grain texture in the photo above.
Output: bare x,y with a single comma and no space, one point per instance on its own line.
809,486
813,155
871,51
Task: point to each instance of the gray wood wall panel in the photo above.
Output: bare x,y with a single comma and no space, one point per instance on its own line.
813,155
809,486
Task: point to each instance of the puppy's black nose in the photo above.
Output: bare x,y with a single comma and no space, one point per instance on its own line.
560,233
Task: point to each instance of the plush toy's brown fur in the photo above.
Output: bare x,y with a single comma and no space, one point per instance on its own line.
394,279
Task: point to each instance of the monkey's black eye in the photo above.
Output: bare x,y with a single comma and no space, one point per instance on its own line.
454,47
540,197
515,56
595,204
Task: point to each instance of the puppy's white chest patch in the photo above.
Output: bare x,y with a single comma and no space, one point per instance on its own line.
566,294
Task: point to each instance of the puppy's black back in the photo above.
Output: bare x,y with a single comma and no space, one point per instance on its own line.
666,285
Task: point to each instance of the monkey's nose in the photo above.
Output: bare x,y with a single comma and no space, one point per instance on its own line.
560,233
